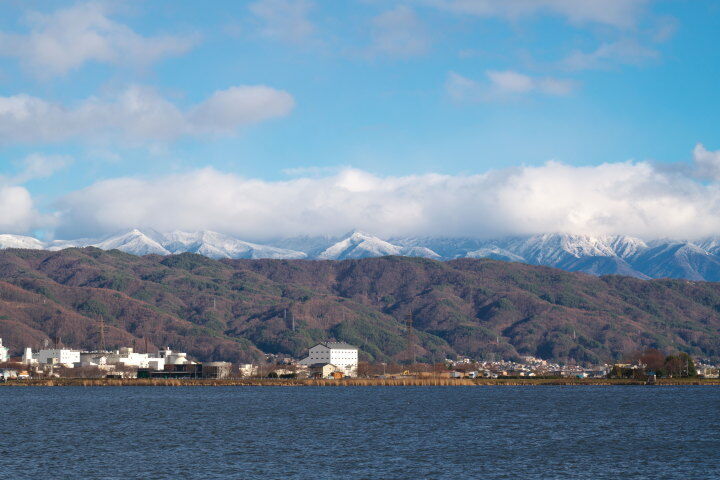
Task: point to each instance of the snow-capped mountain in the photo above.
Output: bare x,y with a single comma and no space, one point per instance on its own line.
602,255
148,242
217,245
363,245
496,253
598,255
20,241
135,242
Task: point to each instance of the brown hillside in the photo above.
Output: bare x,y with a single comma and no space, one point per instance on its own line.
236,309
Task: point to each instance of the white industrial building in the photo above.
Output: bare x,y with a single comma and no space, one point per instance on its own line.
124,357
28,358
59,356
340,354
4,356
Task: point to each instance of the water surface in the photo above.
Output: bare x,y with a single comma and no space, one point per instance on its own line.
360,432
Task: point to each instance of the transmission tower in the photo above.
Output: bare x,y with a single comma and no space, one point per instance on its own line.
410,345
102,334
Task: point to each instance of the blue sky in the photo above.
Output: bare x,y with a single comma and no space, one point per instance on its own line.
408,100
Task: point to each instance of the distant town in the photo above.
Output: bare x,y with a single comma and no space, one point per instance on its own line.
326,360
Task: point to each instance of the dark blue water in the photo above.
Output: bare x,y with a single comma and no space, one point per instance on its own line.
360,432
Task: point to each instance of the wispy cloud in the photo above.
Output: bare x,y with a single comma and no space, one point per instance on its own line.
284,20
36,165
504,85
70,37
138,114
608,55
399,33
617,13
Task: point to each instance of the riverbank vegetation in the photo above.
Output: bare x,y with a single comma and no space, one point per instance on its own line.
350,382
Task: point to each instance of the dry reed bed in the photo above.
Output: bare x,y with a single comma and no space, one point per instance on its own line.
347,382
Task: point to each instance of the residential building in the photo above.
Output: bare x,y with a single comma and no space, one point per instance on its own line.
323,370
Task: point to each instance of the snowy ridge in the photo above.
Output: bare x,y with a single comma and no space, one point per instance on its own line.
598,255
359,245
20,241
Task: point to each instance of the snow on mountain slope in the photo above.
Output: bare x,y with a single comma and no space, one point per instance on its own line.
496,253
625,246
134,242
678,260
20,241
548,249
359,245
217,245
710,244
419,252
311,245
446,248
56,245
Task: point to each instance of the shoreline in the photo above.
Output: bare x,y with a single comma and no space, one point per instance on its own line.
346,382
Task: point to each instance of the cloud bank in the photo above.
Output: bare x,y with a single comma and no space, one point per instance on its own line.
138,114
634,198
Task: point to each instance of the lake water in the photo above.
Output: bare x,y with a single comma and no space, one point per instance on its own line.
360,432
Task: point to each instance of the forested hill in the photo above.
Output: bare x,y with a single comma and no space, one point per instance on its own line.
236,309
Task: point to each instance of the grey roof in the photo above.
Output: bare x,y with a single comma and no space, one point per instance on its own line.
339,345
321,365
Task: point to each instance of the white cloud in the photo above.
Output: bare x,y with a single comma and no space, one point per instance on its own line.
68,38
619,198
138,114
706,163
617,13
504,85
284,20
399,33
36,166
607,55
17,210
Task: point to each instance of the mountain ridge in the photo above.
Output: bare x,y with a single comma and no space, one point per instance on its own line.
598,255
